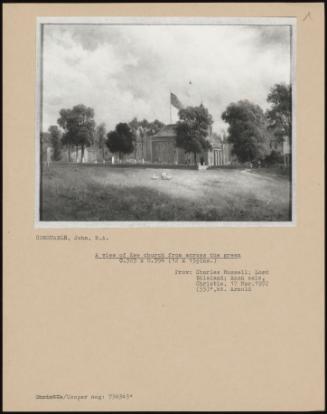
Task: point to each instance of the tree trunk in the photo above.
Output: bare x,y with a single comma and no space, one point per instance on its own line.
194,158
103,153
69,154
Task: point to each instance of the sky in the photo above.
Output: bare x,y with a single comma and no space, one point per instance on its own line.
128,71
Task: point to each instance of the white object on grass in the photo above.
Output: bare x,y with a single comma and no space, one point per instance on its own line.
165,176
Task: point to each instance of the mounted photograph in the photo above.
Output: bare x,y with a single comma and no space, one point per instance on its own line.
165,122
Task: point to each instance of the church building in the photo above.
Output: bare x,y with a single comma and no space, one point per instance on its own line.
163,150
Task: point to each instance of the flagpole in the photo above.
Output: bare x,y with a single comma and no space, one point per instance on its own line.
170,105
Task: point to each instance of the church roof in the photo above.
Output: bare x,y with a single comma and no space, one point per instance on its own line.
166,131
169,131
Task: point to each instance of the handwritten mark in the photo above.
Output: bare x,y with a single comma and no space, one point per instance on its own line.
308,15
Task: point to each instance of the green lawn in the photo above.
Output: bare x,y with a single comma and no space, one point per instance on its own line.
99,193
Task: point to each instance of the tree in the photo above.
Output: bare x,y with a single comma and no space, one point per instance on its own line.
100,138
247,130
45,142
121,140
144,128
148,128
279,115
152,127
66,123
55,142
273,158
78,125
192,129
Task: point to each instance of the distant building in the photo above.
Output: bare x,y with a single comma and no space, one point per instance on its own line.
163,150
163,147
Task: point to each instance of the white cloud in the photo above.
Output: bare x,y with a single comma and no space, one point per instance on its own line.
128,71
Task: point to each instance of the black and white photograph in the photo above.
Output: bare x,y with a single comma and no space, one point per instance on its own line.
165,121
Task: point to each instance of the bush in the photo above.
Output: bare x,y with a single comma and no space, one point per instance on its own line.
273,158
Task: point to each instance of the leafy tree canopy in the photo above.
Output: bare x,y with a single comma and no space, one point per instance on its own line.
78,125
100,135
145,126
247,130
55,141
193,128
279,115
121,140
100,138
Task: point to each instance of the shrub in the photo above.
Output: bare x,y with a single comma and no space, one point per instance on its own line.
273,158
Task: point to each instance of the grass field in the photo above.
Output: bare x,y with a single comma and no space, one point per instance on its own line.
98,193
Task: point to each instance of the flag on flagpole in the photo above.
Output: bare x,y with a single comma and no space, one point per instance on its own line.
175,101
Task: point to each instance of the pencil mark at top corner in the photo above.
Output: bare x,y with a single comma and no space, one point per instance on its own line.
307,16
